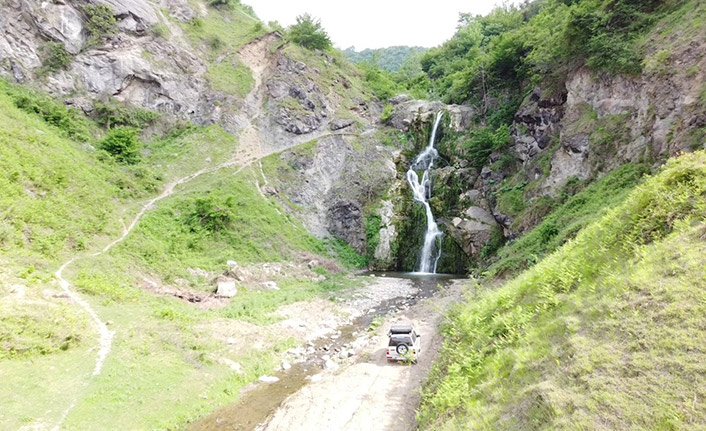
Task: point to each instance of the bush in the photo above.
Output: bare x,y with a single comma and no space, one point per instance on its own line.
70,121
56,57
113,114
160,31
309,33
122,143
483,142
100,22
224,3
387,112
211,214
379,81
215,42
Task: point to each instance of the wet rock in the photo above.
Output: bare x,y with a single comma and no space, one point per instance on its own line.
388,234
345,220
424,111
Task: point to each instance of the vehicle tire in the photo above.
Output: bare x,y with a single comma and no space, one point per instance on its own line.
402,349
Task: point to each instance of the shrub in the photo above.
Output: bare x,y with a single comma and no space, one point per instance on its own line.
56,57
215,42
309,33
113,114
211,214
387,112
68,120
160,31
122,143
100,22
483,142
379,81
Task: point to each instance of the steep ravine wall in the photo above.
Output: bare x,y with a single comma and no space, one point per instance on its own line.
591,125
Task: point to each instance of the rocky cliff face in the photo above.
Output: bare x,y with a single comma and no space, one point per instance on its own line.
592,124
159,56
134,65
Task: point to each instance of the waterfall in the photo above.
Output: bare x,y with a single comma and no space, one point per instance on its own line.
422,192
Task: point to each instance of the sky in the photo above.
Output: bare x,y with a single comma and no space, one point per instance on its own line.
376,23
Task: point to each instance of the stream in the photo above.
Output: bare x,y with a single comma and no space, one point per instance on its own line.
259,401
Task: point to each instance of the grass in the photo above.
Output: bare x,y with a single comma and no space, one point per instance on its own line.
566,217
60,197
189,149
177,234
258,306
606,332
163,373
54,194
231,77
219,35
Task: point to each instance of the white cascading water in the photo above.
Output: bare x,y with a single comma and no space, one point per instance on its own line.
422,193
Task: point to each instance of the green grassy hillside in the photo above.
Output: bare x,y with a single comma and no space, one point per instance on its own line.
61,195
605,333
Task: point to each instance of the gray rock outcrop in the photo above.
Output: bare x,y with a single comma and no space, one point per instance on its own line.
473,230
406,112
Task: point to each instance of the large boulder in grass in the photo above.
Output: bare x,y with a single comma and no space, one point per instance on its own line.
226,287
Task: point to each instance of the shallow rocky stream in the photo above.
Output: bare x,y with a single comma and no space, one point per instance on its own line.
261,399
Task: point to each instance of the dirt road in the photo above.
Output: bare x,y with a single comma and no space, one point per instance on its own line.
370,393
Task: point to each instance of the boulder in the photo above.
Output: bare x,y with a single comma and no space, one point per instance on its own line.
340,123
268,379
226,287
232,365
270,285
472,231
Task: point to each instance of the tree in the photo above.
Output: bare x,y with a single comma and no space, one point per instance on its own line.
122,143
309,33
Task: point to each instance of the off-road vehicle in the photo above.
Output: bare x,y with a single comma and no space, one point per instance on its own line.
404,344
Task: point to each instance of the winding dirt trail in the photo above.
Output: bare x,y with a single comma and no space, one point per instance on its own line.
250,149
248,152
105,336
